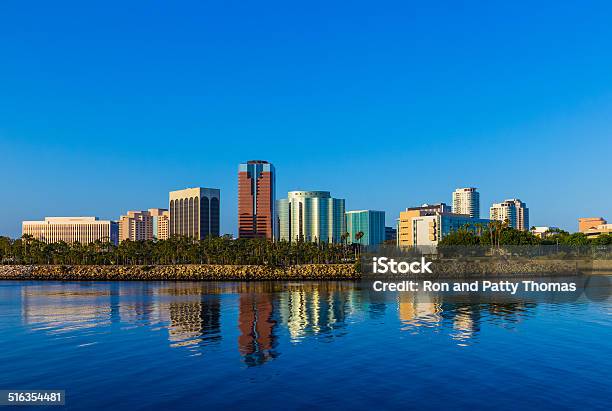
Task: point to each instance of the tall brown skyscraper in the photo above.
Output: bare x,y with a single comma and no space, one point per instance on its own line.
256,199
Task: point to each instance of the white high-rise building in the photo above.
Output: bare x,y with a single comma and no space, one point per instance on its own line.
514,211
466,201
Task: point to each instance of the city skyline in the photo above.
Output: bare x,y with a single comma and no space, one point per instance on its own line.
409,101
277,226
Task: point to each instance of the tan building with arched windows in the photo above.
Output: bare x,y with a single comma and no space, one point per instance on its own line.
194,212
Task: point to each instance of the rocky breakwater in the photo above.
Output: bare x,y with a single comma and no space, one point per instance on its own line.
178,272
499,267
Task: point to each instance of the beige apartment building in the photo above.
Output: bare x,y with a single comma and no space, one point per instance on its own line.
194,212
466,201
144,225
161,223
135,226
514,211
84,230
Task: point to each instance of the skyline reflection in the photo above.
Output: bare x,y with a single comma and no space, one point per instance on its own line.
264,317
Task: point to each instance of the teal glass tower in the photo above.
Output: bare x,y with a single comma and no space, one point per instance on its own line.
370,222
311,216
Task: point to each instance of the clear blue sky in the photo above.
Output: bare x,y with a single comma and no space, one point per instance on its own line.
106,106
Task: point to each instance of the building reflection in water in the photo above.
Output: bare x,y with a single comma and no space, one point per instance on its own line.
461,320
191,312
377,310
465,320
419,310
135,304
194,317
57,310
319,309
257,323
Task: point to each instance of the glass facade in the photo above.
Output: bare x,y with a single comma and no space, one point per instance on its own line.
256,200
428,230
453,222
283,218
311,216
371,223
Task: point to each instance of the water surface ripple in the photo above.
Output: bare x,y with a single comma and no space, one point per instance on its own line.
287,345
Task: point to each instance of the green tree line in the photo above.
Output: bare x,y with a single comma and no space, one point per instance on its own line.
500,234
176,250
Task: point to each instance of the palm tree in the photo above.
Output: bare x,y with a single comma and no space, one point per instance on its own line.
344,237
180,250
26,239
358,236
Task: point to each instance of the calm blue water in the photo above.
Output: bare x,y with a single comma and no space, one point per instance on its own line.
175,346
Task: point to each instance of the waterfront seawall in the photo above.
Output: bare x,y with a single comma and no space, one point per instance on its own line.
195,272
179,272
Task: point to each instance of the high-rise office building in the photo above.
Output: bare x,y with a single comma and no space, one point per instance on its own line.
311,216
514,211
256,199
84,230
466,201
194,212
371,223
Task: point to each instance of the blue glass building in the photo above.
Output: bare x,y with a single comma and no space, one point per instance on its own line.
370,222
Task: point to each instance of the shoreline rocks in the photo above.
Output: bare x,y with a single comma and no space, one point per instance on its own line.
194,272
178,272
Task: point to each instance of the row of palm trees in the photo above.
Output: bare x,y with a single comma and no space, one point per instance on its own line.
491,234
499,233
177,250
